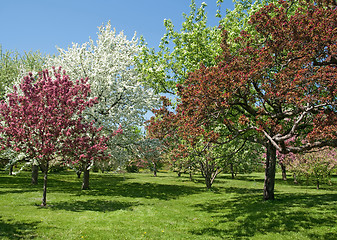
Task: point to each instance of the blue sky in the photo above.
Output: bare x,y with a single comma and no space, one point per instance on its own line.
44,24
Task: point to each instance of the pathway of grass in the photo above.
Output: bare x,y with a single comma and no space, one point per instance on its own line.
139,206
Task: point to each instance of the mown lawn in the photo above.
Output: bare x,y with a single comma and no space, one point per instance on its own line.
139,206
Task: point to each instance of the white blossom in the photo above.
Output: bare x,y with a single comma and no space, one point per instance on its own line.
108,63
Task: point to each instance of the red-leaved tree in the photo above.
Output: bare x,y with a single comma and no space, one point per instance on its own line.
279,85
43,119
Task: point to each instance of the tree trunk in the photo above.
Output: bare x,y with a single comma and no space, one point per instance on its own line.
284,171
191,174
78,172
45,178
35,174
295,179
317,184
269,180
232,170
10,170
208,181
85,183
154,169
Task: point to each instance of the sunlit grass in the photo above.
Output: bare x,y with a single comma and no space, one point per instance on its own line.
139,206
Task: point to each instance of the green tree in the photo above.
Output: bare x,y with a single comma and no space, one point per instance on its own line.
180,52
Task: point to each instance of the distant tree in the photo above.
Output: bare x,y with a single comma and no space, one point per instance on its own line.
316,166
44,120
148,154
14,66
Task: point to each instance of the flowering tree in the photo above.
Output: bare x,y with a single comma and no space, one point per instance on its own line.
190,141
317,165
44,121
13,67
122,98
272,90
148,154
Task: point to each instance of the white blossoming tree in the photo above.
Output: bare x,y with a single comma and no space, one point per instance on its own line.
108,63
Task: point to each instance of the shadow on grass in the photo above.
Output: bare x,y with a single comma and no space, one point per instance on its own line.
14,230
247,215
112,185
100,185
93,205
144,190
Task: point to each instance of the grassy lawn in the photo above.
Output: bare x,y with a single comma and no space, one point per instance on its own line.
139,206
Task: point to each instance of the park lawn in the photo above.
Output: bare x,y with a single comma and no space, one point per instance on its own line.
140,206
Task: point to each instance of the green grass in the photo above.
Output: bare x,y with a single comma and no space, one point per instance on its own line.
139,206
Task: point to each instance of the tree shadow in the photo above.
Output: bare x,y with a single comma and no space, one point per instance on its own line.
93,205
15,230
247,215
144,190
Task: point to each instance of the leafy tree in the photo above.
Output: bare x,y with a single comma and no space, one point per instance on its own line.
273,91
191,142
148,154
14,66
180,52
109,63
45,121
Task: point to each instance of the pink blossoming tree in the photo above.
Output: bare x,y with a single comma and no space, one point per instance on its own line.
43,119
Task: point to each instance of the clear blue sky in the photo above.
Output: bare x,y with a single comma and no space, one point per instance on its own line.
43,24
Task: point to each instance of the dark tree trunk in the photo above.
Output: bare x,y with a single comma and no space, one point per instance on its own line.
10,170
154,169
284,171
45,178
317,184
85,183
269,180
208,181
78,172
35,174
191,174
179,173
295,179
232,170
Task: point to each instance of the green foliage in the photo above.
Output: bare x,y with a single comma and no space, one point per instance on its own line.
180,52
13,66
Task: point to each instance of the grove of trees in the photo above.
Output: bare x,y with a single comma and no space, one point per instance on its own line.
256,90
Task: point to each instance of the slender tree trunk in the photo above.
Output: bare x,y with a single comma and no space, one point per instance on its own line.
284,171
232,170
85,183
269,180
10,170
179,173
35,174
295,179
317,184
191,173
45,178
154,169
